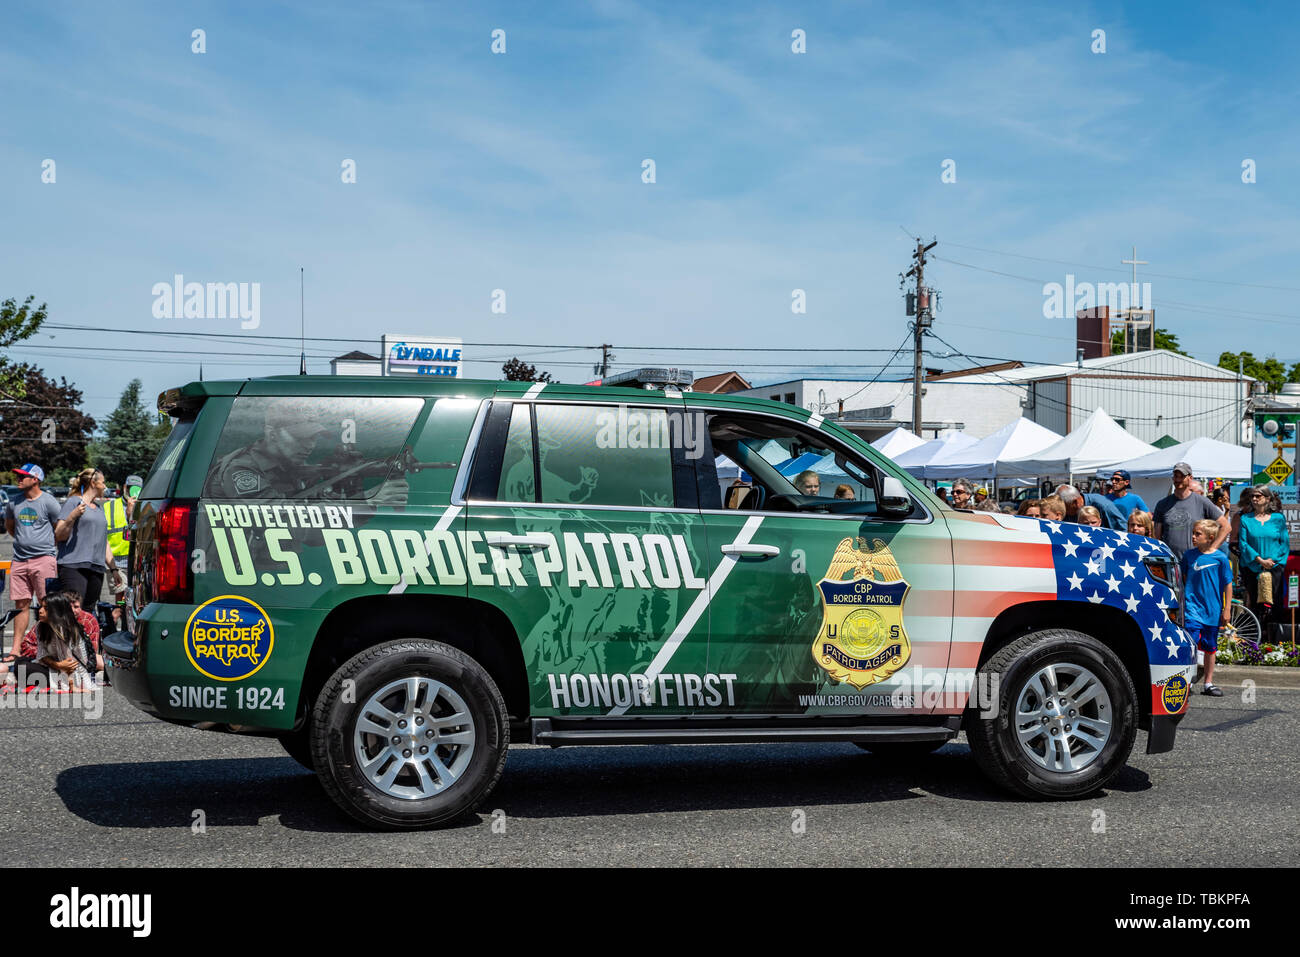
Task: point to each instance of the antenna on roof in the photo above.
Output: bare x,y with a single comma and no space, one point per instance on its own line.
302,325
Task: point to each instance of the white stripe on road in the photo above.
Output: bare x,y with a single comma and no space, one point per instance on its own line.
447,518
697,608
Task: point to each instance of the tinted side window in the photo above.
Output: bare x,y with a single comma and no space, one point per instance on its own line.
517,476
314,448
605,455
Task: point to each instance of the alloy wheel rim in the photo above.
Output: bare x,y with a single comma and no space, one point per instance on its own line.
1063,717
414,738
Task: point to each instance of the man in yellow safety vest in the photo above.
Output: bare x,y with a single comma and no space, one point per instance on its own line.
117,514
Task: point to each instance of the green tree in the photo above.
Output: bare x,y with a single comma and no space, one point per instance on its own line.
45,426
16,324
1164,340
132,438
517,370
1269,370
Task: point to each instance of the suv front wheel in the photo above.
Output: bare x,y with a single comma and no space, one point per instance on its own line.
409,734
1066,716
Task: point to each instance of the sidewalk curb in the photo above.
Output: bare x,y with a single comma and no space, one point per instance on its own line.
1264,677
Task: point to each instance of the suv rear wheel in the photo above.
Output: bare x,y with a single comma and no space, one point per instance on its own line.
409,734
1066,716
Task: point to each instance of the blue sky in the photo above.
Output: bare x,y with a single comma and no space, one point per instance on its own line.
522,172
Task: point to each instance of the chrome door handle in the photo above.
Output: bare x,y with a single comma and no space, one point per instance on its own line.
766,551
505,539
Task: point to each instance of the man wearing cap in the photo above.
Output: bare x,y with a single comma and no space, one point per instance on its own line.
31,520
117,514
1122,495
1176,515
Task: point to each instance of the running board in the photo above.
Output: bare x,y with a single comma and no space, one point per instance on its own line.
545,733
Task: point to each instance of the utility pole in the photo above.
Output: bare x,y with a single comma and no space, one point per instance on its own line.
919,306
605,355
302,323
1241,414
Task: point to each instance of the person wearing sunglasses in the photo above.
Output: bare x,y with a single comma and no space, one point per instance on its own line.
1122,494
1265,544
961,494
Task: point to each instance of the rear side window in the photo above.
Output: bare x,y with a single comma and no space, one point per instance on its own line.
517,464
315,448
594,455
169,460
579,455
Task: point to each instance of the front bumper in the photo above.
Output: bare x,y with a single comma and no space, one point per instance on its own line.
1164,727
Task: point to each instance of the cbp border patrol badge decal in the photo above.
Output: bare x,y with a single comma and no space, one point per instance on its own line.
862,639
229,638
1174,695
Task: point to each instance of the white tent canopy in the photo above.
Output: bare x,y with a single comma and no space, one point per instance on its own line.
1100,443
894,443
979,461
915,460
1207,457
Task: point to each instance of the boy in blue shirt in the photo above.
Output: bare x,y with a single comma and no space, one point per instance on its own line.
1207,595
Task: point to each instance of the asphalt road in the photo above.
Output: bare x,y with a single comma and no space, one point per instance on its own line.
126,790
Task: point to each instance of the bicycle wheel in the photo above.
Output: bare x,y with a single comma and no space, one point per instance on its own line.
1243,624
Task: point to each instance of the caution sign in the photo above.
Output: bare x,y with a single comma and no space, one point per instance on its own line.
1279,470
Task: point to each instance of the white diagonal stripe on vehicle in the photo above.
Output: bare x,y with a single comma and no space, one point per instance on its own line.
447,518
534,389
697,608
1003,578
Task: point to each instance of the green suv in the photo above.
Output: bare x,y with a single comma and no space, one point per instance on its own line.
398,577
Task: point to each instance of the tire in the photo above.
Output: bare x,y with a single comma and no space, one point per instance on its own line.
901,750
468,735
297,744
1069,763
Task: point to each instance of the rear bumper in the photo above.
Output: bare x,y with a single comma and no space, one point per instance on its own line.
149,666
122,659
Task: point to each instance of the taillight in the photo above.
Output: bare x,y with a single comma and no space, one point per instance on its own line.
172,581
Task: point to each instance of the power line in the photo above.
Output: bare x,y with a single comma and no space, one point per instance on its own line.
1063,262
882,370
493,345
1277,318
1071,407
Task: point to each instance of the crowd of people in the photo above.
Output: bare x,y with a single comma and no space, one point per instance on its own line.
1204,533
63,553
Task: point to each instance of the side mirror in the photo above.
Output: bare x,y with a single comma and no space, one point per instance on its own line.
894,499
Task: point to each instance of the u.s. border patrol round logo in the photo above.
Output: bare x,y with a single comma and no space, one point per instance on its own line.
229,638
1175,694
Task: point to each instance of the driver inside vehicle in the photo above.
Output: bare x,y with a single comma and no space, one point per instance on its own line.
808,483
760,447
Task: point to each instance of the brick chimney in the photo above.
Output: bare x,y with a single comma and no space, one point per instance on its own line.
1093,331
